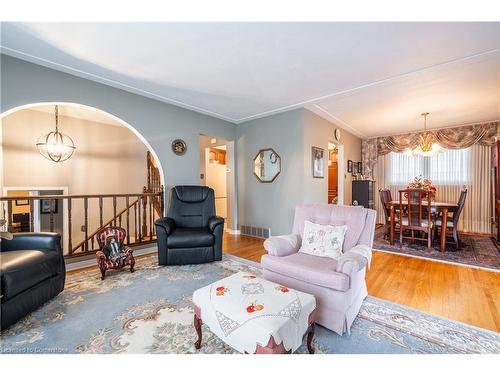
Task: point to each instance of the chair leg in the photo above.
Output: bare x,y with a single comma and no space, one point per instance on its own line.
132,266
103,273
401,237
455,238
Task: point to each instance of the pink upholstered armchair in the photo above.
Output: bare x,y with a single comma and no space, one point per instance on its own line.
338,284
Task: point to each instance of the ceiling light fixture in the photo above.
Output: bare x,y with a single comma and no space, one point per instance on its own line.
56,146
426,145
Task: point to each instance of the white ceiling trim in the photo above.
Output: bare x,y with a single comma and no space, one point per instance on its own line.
310,102
110,82
319,110
366,85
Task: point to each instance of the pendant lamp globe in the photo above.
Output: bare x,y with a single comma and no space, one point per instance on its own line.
56,146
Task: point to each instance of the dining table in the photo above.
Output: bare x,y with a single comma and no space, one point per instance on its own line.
443,208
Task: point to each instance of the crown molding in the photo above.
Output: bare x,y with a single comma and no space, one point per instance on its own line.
109,82
320,111
313,102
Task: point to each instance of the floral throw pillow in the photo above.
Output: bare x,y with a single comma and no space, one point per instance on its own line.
323,240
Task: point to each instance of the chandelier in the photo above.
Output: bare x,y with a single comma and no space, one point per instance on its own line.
426,145
56,146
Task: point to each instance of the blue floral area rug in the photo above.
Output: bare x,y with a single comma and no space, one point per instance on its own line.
478,251
150,311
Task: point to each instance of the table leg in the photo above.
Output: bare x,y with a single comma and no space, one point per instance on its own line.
310,335
392,226
444,220
197,327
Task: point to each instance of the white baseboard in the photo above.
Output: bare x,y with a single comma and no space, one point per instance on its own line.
233,231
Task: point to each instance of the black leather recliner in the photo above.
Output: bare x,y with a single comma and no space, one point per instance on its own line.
32,272
191,233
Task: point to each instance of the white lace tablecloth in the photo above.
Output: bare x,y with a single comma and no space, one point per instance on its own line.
244,311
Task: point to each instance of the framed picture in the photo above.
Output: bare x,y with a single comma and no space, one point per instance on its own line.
22,202
360,167
318,162
48,205
349,166
355,168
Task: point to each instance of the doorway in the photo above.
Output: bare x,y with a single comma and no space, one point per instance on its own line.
336,175
333,170
217,172
23,216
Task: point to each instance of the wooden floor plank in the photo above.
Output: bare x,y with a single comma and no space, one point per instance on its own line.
460,293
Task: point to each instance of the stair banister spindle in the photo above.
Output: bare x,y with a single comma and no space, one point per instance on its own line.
139,200
52,206
86,223
70,228
114,210
150,217
32,215
144,202
100,211
127,202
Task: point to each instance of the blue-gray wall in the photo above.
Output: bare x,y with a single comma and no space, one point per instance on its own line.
159,123
290,134
271,205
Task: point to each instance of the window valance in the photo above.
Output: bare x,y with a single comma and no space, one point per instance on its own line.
449,138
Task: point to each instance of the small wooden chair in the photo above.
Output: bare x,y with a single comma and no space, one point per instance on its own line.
107,264
415,216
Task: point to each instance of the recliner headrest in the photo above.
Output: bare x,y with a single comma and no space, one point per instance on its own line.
191,193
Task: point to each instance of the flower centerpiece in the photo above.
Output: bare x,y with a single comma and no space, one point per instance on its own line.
429,190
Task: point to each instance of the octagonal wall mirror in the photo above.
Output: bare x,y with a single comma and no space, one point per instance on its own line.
266,165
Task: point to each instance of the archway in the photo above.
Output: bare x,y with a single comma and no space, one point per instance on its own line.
44,186
115,118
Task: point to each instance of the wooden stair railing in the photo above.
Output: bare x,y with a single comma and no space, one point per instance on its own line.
145,207
138,216
114,221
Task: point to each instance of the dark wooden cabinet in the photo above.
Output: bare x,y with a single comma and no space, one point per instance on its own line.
362,193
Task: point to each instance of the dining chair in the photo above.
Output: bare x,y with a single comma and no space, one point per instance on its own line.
452,222
415,215
385,199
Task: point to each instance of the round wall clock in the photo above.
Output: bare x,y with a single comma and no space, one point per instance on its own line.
337,134
179,147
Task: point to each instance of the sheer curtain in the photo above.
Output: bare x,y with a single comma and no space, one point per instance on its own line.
449,171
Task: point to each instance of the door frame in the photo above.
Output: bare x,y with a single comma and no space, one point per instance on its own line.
36,208
231,192
340,172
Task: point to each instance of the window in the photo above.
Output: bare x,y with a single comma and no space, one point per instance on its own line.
450,167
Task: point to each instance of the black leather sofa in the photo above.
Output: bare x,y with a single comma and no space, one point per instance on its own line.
191,233
32,272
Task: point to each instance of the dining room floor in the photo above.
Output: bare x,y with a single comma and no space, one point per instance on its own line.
475,250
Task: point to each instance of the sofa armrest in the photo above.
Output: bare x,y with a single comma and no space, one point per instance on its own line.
281,246
166,223
33,241
214,221
354,260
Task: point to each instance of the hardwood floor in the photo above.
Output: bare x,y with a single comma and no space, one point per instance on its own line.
465,294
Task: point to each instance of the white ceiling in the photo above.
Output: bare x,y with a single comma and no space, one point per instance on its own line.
371,78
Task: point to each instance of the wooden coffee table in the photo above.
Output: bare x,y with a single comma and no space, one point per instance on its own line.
253,315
